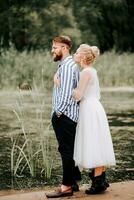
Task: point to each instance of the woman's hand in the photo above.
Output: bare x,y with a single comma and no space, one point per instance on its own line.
76,94
56,80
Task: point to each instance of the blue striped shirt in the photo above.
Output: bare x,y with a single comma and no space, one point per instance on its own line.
63,102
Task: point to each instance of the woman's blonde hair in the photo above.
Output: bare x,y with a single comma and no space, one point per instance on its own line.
90,52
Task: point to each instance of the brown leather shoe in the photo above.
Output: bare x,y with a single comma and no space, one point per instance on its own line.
59,193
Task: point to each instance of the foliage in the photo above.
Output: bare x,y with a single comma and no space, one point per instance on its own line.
17,68
115,69
26,151
37,67
31,24
108,24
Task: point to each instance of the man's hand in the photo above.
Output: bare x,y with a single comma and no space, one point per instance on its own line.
58,114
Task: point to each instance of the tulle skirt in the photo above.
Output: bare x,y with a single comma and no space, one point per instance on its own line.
93,143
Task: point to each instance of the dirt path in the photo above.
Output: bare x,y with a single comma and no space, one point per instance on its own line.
117,191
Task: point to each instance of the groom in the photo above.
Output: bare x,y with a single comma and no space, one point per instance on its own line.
65,114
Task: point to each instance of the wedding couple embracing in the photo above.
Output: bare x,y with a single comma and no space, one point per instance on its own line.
79,120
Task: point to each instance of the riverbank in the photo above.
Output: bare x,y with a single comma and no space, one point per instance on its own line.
117,191
118,103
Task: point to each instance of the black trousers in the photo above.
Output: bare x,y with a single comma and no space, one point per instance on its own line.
65,130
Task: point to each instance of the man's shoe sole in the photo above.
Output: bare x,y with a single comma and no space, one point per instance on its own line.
59,194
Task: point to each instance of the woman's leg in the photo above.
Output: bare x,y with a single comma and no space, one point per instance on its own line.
99,170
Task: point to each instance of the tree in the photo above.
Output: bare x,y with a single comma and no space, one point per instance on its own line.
32,24
109,24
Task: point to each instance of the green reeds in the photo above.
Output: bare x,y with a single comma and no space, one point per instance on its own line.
19,67
33,142
115,69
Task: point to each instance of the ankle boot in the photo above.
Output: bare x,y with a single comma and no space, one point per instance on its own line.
91,175
105,179
98,185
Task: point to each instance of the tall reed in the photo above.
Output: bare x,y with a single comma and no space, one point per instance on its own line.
19,67
115,69
33,142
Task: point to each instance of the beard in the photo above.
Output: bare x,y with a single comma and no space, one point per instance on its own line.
57,57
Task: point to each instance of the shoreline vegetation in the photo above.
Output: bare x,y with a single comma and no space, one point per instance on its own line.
28,147
37,68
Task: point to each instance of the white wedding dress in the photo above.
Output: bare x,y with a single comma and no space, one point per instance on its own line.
93,143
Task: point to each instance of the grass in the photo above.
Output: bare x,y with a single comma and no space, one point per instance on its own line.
20,67
115,69
25,151
33,149
34,110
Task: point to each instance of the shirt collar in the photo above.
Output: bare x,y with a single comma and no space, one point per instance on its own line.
64,60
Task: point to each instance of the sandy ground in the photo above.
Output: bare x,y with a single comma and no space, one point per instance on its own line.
117,191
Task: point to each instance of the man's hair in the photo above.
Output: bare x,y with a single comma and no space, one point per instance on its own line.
63,39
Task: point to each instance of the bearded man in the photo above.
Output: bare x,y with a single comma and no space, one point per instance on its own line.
65,114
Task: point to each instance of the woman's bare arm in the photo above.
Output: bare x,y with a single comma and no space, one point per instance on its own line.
82,85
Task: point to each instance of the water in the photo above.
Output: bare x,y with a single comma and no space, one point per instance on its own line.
119,106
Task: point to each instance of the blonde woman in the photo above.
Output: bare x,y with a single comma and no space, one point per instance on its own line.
93,147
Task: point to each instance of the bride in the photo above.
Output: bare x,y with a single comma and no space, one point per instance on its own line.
93,147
